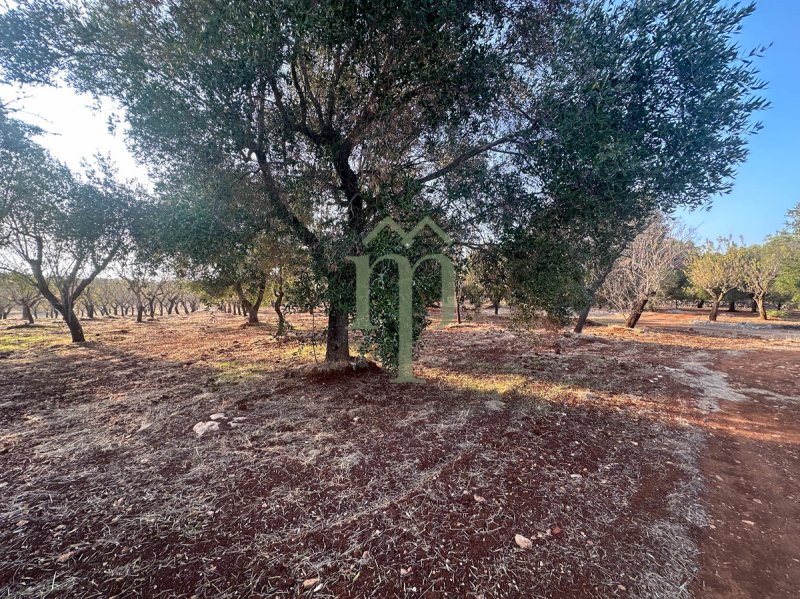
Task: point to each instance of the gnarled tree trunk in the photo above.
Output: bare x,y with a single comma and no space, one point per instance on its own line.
762,308
582,317
636,313
74,325
714,310
337,348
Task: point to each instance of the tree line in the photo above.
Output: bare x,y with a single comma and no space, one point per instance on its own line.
663,264
543,136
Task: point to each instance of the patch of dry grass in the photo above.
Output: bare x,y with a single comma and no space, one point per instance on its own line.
376,489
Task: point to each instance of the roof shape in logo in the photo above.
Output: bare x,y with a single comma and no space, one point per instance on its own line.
408,238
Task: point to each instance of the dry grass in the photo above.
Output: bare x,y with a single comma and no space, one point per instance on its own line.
378,490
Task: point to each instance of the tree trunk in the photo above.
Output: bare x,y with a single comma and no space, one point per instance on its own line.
732,306
762,309
75,328
90,310
701,303
496,306
26,313
139,313
714,309
754,306
281,318
636,313
337,348
250,309
582,317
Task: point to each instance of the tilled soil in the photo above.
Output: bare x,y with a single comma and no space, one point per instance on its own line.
342,484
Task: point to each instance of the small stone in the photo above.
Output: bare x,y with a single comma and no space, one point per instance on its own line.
495,405
310,582
217,416
479,498
201,428
523,542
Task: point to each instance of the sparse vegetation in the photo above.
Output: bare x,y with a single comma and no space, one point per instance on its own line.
588,426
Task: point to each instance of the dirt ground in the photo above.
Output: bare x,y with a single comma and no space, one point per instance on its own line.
660,462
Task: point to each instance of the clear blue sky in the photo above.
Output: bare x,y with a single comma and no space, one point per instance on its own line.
768,184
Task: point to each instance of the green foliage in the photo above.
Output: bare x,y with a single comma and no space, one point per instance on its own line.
786,246
489,277
384,340
558,127
633,126
717,268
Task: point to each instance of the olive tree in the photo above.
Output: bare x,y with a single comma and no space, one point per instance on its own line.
58,231
644,269
344,113
635,125
760,267
716,269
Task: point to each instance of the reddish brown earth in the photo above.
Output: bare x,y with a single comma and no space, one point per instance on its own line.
753,469
599,449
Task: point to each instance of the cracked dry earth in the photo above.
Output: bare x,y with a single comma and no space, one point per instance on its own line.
656,463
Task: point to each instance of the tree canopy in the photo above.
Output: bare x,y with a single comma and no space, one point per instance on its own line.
556,127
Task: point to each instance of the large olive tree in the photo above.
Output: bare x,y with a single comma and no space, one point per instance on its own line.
57,231
542,112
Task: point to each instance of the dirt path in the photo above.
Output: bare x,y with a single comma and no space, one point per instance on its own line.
744,389
752,469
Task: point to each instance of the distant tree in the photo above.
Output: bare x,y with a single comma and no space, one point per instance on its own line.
677,287
26,295
786,245
490,271
643,269
716,269
137,278
59,232
6,301
760,267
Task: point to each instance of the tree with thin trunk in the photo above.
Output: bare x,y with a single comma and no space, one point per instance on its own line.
489,269
716,269
760,268
644,268
59,232
137,280
25,295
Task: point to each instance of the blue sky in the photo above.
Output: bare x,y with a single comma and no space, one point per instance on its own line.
768,184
